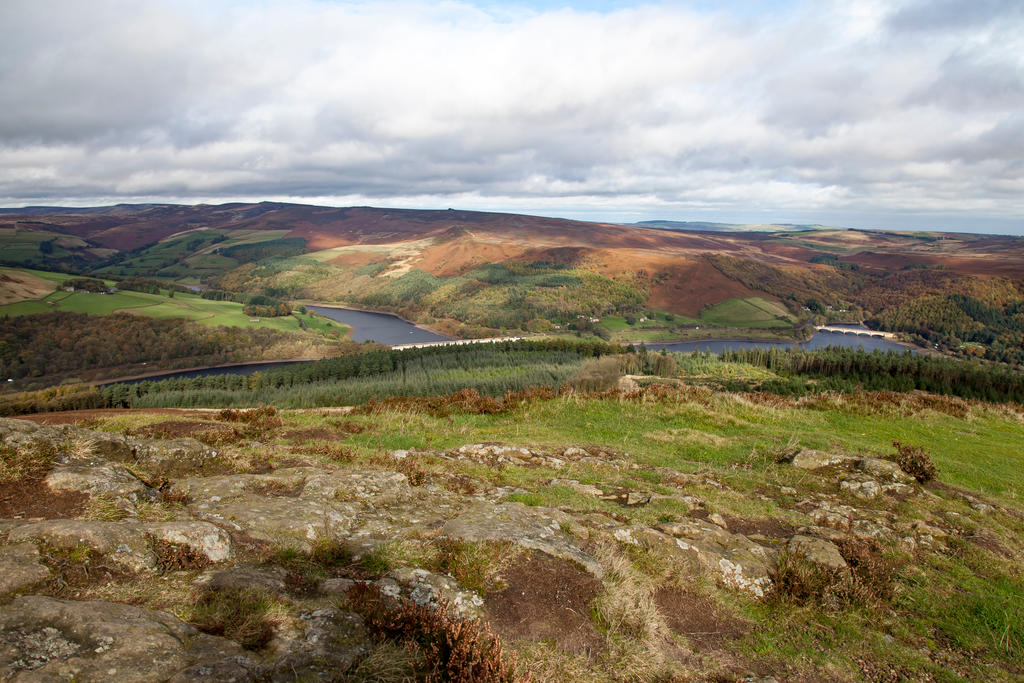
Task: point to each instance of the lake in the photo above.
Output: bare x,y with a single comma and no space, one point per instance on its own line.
392,330
820,340
383,328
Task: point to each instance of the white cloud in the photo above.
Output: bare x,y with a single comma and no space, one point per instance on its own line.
831,106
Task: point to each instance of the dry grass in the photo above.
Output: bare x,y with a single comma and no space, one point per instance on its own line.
637,634
26,462
245,615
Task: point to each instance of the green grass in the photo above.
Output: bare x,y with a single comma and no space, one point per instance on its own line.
43,274
191,306
750,312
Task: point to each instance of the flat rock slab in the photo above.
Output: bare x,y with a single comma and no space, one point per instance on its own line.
535,528
98,479
44,639
736,561
122,542
817,551
367,506
20,567
126,543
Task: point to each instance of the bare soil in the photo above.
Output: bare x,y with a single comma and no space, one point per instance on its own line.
30,498
546,598
769,528
67,417
697,618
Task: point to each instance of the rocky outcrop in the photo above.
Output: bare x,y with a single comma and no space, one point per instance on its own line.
126,543
535,528
43,638
20,568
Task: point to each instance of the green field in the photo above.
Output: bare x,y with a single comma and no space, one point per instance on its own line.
750,312
181,305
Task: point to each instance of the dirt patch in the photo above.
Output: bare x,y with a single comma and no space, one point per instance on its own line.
989,543
769,528
68,417
696,617
546,598
314,434
207,432
28,498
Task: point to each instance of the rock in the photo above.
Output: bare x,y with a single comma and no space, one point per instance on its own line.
124,543
202,537
734,560
718,519
99,479
332,642
626,497
535,528
338,586
42,638
817,551
865,489
809,459
361,507
171,457
271,579
884,469
585,489
20,567
427,588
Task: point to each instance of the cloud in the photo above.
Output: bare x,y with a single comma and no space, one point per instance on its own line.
826,106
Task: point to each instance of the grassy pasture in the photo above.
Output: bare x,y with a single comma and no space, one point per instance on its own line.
181,305
749,312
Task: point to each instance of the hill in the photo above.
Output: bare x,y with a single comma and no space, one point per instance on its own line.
663,530
481,274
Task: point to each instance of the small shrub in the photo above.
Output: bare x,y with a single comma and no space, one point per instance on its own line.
445,646
914,461
245,615
330,451
176,556
472,564
799,581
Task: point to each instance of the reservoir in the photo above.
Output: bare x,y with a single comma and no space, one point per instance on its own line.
392,330
855,338
383,328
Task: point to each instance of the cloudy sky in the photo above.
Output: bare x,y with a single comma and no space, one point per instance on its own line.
866,113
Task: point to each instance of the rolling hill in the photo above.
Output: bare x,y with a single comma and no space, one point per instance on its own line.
476,273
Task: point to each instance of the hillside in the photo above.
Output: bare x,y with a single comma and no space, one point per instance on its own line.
478,274
661,533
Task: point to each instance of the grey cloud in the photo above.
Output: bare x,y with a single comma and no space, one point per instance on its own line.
954,15
153,99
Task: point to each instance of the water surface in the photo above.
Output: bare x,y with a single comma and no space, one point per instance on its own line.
383,328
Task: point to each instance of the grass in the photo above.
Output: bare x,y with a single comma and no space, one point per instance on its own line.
710,429
181,305
951,615
753,312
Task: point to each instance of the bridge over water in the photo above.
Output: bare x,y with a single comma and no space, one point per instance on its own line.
455,342
856,331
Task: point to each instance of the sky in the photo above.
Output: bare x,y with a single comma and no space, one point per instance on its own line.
895,114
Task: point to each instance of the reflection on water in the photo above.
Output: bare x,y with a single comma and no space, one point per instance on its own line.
819,341
391,330
379,327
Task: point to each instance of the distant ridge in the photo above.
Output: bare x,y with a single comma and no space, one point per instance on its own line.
702,226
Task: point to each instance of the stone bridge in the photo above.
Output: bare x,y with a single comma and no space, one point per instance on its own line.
853,331
455,342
